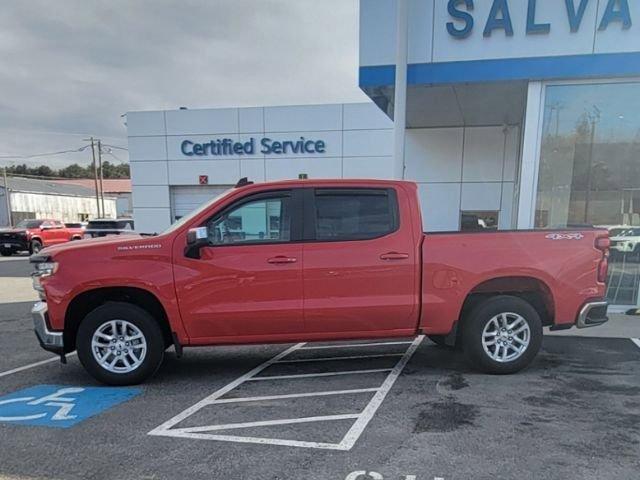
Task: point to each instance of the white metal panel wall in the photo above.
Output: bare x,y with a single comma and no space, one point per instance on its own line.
463,168
429,40
60,207
357,136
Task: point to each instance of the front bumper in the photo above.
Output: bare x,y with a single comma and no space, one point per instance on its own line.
592,314
51,341
13,244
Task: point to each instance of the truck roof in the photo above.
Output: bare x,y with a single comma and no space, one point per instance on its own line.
329,182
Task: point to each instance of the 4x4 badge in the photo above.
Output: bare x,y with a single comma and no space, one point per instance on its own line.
565,236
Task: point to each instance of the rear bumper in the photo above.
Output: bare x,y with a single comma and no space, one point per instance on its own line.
51,341
592,314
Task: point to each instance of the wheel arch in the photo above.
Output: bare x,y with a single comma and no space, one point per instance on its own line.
533,290
89,300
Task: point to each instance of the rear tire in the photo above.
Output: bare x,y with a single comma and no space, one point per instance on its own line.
6,253
502,335
36,246
120,344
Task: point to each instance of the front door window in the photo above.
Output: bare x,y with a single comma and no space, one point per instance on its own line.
258,221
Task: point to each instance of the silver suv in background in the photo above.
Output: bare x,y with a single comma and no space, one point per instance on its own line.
101,227
626,242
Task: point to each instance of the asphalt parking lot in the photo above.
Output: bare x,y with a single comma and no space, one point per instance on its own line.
392,409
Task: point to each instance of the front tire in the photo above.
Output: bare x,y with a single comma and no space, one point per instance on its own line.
502,335
6,253
36,246
120,344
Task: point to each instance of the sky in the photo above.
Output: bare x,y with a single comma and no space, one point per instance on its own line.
71,68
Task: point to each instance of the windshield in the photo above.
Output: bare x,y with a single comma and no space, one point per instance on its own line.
29,224
187,218
632,232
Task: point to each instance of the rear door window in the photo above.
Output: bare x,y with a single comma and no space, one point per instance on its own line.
354,214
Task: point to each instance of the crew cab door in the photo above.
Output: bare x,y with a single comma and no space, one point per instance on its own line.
359,261
247,283
59,232
51,232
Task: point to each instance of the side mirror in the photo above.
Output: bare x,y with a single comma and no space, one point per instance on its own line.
196,239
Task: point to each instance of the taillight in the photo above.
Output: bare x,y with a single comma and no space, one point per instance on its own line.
603,244
603,269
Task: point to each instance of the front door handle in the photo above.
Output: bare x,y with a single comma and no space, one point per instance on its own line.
281,259
394,256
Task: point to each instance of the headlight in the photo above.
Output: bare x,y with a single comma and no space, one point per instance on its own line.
45,269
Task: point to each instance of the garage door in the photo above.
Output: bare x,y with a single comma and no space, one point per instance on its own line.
185,199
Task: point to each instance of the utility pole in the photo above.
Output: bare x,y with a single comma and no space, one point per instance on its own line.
101,177
95,171
594,116
7,196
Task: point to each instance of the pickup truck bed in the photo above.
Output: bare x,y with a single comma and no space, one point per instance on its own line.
554,270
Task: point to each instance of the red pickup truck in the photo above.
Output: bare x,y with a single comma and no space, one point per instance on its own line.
34,235
314,260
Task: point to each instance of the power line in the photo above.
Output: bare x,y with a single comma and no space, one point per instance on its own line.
53,132
114,156
115,146
46,154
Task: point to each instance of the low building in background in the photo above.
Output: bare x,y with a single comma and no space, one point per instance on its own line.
119,188
35,198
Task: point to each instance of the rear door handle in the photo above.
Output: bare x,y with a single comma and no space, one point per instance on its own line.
281,259
394,256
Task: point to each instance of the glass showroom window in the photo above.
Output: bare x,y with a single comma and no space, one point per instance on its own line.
590,171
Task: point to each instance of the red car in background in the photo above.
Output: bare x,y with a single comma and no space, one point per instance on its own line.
33,235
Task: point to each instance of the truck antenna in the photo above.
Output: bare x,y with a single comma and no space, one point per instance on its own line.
243,182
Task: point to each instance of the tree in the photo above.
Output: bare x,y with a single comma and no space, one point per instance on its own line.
74,171
109,170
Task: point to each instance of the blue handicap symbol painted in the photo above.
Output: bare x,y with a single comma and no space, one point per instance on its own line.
59,405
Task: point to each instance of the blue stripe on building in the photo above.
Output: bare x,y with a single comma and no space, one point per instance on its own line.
535,68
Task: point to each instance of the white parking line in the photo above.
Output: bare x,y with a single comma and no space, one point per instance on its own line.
350,345
636,341
179,433
32,365
164,429
358,427
294,395
362,419
268,423
351,357
323,374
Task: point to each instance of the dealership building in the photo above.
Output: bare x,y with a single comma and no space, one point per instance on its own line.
509,114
